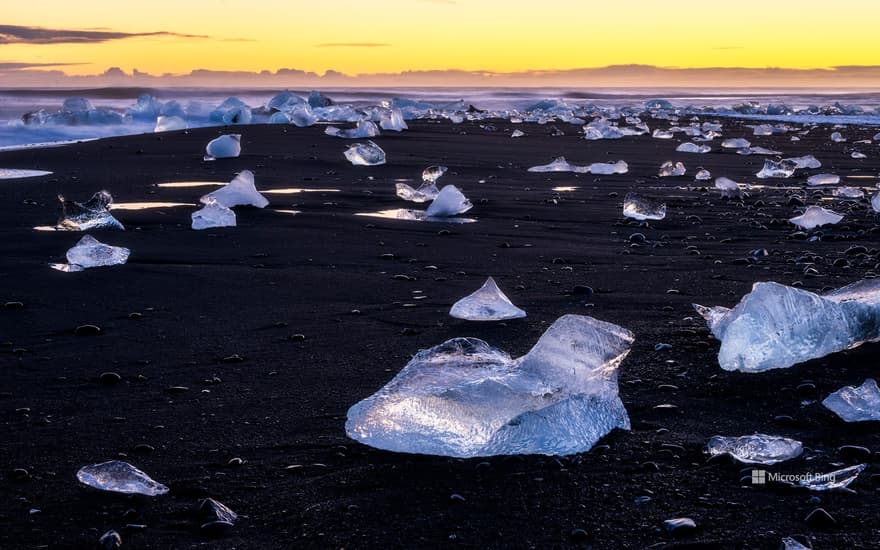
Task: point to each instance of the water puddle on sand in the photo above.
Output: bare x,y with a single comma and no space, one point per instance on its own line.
412,215
191,184
146,205
16,173
296,190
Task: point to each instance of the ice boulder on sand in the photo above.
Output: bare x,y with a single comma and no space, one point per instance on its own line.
465,398
703,175
774,169
669,169
736,143
241,191
432,173
119,477
777,326
426,192
689,147
856,404
638,207
364,129
806,161
393,121
604,168
213,214
89,252
224,147
875,202
729,188
365,154
755,449
92,214
816,216
449,202
169,124
823,179
488,303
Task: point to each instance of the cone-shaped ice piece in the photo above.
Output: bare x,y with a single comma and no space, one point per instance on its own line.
241,191
169,124
364,129
365,154
213,214
119,477
426,192
806,161
816,216
689,147
558,165
670,169
848,193
224,147
432,173
781,169
755,449
823,179
856,404
449,202
703,175
486,304
642,208
776,326
465,398
736,143
603,168
92,214
393,122
89,252
729,188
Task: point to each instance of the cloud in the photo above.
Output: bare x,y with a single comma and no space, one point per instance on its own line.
16,66
353,45
16,34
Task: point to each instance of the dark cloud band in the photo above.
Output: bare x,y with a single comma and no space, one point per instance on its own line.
16,34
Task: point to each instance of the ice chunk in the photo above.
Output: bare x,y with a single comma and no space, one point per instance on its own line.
432,173
669,169
848,193
15,173
856,404
875,202
213,214
642,208
776,326
302,116
603,168
823,179
791,543
601,128
241,191
762,130
231,111
285,102
517,133
449,202
92,214
365,154
689,147
736,143
729,188
877,136
816,216
838,479
755,449
488,303
393,122
317,99
426,192
119,477
662,134
465,398
806,161
364,129
558,165
773,169
224,147
89,252
757,151
836,137
169,124
703,174
858,155
279,118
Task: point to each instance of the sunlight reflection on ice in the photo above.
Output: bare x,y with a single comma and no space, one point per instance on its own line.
412,215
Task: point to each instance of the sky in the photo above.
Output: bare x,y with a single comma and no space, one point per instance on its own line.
392,36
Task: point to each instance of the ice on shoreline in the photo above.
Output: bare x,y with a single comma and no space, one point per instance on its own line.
241,191
487,303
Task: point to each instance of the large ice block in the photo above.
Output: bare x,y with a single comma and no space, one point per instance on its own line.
806,161
816,216
89,252
603,168
823,179
465,398
213,214
777,326
449,202
729,188
689,147
642,208
223,147
119,477
856,404
365,154
393,121
487,303
92,214
756,448
241,191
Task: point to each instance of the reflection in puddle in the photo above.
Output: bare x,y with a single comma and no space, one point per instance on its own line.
293,212
412,215
295,190
67,268
191,183
146,205
565,189
15,173
46,228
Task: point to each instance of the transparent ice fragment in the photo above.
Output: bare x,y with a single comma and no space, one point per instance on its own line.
736,143
89,252
426,192
365,154
488,303
762,130
119,477
92,214
662,134
670,169
213,214
432,173
465,398
642,208
517,133
836,137
755,449
689,147
790,543
225,146
816,216
875,202
757,151
848,193
858,155
393,122
364,129
776,326
806,161
729,188
241,191
169,124
449,202
856,404
774,169
703,175
558,165
823,179
838,479
603,168
302,116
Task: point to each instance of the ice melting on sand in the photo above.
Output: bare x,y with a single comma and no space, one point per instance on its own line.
465,398
703,175
241,191
736,143
780,169
393,121
517,134
224,147
755,449
642,208
449,202
816,216
213,214
856,404
875,202
119,477
689,147
364,129
365,154
729,188
426,192
858,155
15,173
836,137
558,165
604,168
823,179
777,326
851,193
670,169
92,214
89,252
488,303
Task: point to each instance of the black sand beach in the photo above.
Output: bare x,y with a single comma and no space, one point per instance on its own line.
277,326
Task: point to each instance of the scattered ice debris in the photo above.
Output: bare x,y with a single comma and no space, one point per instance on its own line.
823,179
169,124
241,191
364,129
604,168
838,479
836,137
517,133
777,326
689,147
848,193
392,122
703,174
806,161
670,169
92,214
426,192
89,252
119,477
488,303
736,143
816,216
757,151
559,164
432,173
224,147
213,214
365,154
15,173
449,202
856,404
858,155
642,208
464,398
755,449
780,169
601,128
729,188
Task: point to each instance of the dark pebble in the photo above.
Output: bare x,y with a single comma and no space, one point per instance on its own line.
679,526
637,238
579,534
234,358
854,453
110,541
211,510
297,337
88,330
582,290
13,305
820,519
215,528
109,378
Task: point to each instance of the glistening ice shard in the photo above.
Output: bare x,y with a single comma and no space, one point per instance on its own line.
89,252
777,326
642,208
365,154
465,398
816,216
241,191
119,477
213,214
755,449
488,303
449,202
856,404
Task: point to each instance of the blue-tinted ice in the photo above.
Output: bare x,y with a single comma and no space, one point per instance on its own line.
213,214
856,404
365,154
223,147
756,448
449,202
84,216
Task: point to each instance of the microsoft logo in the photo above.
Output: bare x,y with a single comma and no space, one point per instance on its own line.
759,477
